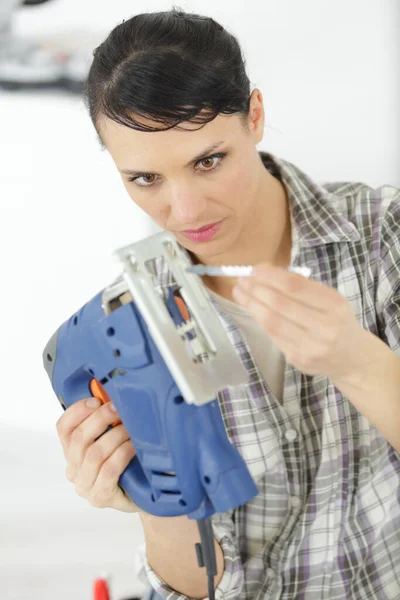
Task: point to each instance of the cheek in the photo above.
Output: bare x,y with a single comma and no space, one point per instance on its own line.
237,188
243,177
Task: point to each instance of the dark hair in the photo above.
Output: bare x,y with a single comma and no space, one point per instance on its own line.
167,67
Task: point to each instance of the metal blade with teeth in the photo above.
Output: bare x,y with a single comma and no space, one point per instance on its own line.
228,270
237,270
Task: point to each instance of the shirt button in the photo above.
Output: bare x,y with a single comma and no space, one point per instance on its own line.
270,572
290,435
295,501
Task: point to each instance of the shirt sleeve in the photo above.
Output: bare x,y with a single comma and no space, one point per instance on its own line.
388,290
231,583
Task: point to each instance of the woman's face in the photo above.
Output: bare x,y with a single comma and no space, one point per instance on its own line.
187,178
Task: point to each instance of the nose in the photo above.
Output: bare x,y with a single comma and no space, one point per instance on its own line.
188,207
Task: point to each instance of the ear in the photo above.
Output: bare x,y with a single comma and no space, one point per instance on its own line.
256,116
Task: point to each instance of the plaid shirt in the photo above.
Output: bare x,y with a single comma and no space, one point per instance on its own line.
326,522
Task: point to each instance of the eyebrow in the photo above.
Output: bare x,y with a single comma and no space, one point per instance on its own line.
194,160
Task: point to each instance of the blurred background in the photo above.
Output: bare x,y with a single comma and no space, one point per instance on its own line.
329,74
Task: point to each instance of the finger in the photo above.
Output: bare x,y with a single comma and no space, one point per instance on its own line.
71,419
106,485
274,323
307,291
286,307
97,454
86,433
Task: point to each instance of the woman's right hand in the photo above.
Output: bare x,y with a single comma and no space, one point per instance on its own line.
95,465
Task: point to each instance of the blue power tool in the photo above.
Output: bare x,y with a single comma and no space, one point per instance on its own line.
161,356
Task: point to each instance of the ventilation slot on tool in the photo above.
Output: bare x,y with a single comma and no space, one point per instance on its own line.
165,482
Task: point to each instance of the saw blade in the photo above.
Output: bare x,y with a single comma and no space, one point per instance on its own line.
237,270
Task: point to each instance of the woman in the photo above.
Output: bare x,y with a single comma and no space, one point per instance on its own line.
319,422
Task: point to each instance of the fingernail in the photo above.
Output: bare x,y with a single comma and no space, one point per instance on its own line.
93,402
113,407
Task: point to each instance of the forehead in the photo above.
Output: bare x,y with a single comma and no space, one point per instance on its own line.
189,138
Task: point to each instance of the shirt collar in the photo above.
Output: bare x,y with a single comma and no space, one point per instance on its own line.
312,207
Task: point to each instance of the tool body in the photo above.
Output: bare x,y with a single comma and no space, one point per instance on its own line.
161,359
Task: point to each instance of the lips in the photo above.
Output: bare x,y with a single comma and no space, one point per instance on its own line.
205,234
201,228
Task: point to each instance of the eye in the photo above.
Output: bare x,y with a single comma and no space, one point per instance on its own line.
219,155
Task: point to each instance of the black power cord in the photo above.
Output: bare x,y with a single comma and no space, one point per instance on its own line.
206,553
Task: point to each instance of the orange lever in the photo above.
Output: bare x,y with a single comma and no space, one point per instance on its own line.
182,308
97,390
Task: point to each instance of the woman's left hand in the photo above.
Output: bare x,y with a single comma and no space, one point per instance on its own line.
312,323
